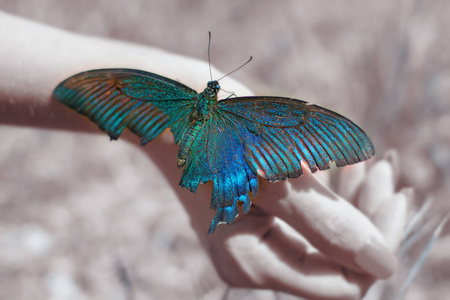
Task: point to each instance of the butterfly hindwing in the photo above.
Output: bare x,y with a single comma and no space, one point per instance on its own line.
218,154
114,99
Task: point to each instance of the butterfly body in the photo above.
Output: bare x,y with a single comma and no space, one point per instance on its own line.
204,106
206,101
229,142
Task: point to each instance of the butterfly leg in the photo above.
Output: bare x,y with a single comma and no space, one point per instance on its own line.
232,95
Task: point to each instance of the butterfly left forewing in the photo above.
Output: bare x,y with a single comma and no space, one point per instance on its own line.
290,131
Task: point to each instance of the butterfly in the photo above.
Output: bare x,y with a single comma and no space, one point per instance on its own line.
229,142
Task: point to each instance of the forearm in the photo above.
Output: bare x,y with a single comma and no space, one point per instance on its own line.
36,57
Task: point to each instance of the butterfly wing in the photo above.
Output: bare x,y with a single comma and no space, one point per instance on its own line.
115,99
242,137
279,133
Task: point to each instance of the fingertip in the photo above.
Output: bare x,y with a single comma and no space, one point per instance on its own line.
376,259
392,157
378,185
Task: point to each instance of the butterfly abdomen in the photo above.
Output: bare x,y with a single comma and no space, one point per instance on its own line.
187,141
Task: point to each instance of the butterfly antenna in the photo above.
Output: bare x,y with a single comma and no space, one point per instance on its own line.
209,54
236,69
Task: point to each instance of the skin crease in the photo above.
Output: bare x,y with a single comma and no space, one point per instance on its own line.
269,248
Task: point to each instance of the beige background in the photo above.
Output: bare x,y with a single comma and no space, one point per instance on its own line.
77,210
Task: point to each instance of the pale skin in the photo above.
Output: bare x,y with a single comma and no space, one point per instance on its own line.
299,237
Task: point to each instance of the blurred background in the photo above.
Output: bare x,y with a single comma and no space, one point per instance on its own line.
81,218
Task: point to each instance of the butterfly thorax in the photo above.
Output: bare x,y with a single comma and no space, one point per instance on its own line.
202,111
205,101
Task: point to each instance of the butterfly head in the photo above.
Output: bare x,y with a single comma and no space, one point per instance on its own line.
213,87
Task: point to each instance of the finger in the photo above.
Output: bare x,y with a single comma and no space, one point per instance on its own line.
323,177
391,156
309,271
390,218
332,225
378,185
350,180
280,259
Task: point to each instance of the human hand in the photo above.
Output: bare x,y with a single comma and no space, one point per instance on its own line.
263,252
258,250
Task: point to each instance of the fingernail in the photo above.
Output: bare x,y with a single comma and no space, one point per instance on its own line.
377,260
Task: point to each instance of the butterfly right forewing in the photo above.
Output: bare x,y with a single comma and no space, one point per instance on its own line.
116,99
